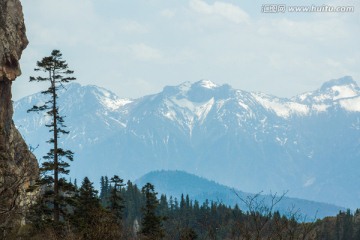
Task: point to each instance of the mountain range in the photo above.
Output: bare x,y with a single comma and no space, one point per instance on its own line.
308,144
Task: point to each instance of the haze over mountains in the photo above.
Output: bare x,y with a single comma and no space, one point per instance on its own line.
309,144
178,183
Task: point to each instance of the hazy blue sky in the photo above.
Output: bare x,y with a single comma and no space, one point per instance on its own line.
136,47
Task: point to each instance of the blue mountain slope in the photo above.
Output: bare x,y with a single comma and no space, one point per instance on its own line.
176,183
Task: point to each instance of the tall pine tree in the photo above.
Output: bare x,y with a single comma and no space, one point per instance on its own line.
116,200
56,73
87,200
88,209
151,224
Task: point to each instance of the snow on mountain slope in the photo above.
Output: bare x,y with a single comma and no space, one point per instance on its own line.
331,91
109,100
351,104
280,107
85,109
192,112
208,84
308,144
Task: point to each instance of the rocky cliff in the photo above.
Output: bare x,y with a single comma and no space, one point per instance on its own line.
18,165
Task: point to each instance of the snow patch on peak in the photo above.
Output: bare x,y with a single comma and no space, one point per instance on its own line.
344,92
203,110
281,109
104,92
199,110
298,108
337,89
108,99
207,84
319,107
304,96
186,112
114,104
351,104
344,81
330,92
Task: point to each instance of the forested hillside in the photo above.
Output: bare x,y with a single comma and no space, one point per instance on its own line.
126,211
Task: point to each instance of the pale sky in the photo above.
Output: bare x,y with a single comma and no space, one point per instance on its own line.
136,47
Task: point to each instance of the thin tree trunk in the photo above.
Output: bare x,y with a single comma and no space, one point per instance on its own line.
56,163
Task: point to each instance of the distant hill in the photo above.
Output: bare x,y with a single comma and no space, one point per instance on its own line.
176,183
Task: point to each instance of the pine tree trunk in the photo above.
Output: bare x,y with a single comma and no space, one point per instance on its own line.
56,163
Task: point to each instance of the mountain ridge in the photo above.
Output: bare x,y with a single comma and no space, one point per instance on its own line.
177,183
251,141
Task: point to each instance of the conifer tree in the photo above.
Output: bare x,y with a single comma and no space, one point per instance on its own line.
151,224
56,73
87,208
116,200
163,205
104,190
87,198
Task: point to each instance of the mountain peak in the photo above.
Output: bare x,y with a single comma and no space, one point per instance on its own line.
206,84
330,91
344,81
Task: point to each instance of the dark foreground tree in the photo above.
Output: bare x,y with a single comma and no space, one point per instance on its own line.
104,191
90,219
151,224
87,205
55,187
116,203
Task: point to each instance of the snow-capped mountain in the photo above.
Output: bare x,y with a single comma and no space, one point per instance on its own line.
309,144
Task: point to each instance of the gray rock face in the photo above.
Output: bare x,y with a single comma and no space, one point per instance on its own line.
12,42
18,166
12,39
